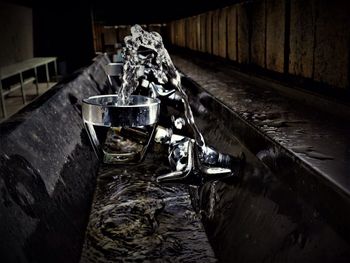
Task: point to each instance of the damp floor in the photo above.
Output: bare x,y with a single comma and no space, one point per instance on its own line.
318,138
135,219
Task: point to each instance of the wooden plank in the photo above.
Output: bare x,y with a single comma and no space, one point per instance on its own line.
302,34
110,35
332,43
275,27
97,30
194,32
178,35
209,33
202,42
198,32
223,32
191,33
182,32
216,15
188,30
177,32
232,33
258,40
243,33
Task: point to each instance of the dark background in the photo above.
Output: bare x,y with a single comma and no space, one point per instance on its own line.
129,12
64,28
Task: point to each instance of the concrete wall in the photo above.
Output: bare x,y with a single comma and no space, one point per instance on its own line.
16,33
302,39
47,173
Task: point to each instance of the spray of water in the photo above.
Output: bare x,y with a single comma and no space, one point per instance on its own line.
156,59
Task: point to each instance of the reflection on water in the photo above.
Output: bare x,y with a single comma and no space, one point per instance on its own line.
126,144
260,219
135,219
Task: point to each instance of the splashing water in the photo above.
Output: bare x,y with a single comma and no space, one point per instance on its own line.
144,53
157,61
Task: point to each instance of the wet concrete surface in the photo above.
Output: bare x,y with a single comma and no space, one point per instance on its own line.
318,139
259,218
134,219
48,173
304,147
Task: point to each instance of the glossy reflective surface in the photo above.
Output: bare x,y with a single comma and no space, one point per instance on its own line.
135,219
105,111
281,211
47,173
284,210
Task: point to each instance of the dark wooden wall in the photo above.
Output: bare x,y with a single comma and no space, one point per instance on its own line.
306,39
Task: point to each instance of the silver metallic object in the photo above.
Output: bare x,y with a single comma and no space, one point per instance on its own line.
191,165
120,133
148,69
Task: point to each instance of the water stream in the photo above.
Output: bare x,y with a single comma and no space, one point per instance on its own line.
145,55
